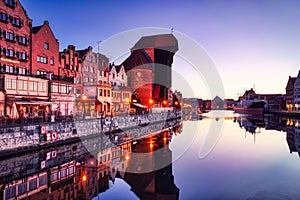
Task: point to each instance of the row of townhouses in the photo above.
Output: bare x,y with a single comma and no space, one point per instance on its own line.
39,81
293,93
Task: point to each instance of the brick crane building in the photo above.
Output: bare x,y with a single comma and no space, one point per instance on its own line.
149,69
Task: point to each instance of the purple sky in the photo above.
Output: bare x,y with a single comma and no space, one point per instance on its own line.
250,42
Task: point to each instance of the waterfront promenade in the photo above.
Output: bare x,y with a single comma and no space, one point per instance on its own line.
28,137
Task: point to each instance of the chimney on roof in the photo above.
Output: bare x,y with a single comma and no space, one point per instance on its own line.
46,22
90,48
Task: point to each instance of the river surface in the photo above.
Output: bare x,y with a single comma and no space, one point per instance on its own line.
221,156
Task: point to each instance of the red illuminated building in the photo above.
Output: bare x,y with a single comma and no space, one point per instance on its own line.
149,69
45,50
15,28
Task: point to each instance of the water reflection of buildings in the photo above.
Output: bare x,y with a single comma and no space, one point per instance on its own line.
288,125
72,172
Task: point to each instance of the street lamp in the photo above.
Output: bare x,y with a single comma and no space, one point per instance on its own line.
83,98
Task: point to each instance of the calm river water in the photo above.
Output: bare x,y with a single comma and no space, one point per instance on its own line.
222,156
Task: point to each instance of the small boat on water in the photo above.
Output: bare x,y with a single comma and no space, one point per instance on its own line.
256,108
250,104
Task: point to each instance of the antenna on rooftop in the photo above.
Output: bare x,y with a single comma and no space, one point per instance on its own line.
172,29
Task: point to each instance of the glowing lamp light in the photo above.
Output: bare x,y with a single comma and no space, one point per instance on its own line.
151,101
151,145
176,103
84,178
84,97
165,102
127,157
165,139
92,162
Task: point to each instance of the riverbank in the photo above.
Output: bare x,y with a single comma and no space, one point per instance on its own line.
20,139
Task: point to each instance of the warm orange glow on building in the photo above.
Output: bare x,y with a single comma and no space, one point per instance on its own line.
84,178
151,101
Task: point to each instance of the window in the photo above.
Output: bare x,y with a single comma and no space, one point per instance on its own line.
25,85
22,188
17,22
10,192
13,84
63,89
32,184
9,53
86,68
11,3
22,40
113,75
9,69
104,93
71,171
10,36
108,93
42,59
63,173
91,58
86,79
54,177
30,85
20,84
100,73
54,88
93,69
100,92
3,17
42,73
35,84
51,61
8,83
42,181
40,86
46,45
79,80
122,76
22,56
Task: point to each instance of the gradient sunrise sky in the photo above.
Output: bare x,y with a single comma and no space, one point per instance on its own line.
250,42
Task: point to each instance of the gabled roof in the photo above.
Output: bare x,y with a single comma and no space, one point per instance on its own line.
137,58
166,42
290,83
36,29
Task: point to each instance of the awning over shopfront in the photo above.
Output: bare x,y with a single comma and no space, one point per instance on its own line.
99,101
28,102
140,105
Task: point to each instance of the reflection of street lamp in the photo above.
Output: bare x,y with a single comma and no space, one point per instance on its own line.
83,98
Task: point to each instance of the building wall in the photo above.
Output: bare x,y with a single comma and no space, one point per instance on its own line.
43,36
140,82
71,66
14,39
